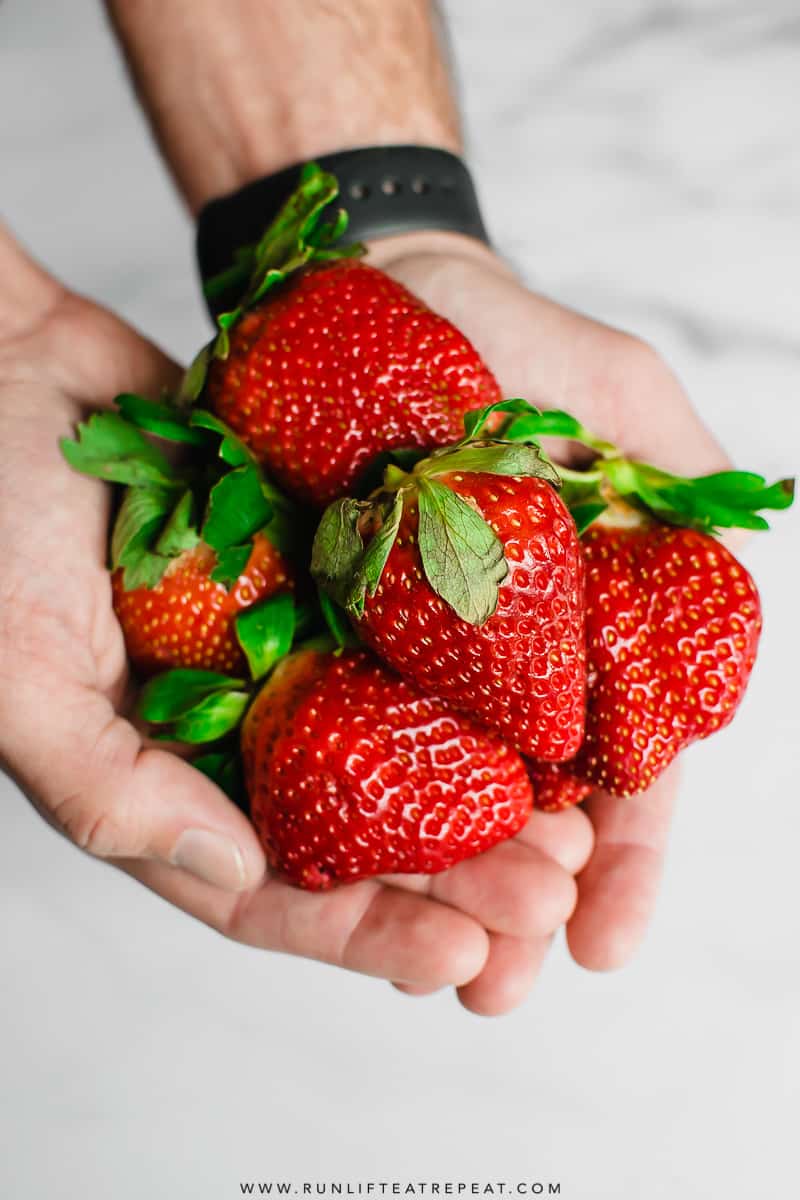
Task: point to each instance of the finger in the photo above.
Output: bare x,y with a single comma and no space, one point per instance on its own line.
506,980
87,771
512,888
366,927
567,837
617,890
414,989
511,970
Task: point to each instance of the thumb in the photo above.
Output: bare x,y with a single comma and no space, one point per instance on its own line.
115,798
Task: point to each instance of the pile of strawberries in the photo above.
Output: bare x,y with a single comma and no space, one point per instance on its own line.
358,576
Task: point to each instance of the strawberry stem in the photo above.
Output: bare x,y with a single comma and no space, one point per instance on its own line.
708,502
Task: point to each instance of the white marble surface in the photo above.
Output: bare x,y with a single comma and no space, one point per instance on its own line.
642,162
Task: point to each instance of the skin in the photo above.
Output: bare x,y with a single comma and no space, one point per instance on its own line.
221,119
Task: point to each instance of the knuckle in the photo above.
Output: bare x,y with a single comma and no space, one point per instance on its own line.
99,832
99,815
643,370
554,901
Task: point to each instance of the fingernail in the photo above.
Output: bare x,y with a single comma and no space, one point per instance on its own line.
210,856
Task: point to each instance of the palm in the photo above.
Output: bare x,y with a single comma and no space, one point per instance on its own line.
616,385
484,926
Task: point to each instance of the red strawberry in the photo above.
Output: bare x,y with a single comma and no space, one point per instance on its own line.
194,544
187,619
672,619
339,365
352,773
555,787
673,622
470,585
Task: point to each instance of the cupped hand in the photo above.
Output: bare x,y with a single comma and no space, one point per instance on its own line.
64,736
620,388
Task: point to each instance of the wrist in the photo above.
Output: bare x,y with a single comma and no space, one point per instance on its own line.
244,155
236,96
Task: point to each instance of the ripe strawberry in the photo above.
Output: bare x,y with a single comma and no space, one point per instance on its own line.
673,620
342,364
187,619
555,787
351,773
335,366
673,623
470,584
194,545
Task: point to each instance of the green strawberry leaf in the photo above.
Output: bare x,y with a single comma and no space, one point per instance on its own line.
284,240
532,425
142,515
211,719
150,530
461,554
179,533
585,514
327,234
374,557
236,275
224,768
495,458
338,548
709,502
237,508
171,695
724,500
231,563
741,490
475,421
265,632
194,379
340,563
163,420
336,620
306,618
231,450
111,448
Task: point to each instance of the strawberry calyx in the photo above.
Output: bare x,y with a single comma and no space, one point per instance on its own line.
462,557
199,707
221,497
299,236
722,500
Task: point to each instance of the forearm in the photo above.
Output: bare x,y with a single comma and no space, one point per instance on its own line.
239,90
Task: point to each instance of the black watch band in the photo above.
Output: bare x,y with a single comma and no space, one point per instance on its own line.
385,189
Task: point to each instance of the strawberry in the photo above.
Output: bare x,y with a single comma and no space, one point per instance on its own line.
555,786
673,623
187,619
338,365
194,546
672,619
466,576
351,772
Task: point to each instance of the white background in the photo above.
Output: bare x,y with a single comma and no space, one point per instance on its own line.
640,161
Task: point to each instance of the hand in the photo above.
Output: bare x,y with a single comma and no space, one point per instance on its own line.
64,736
619,387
